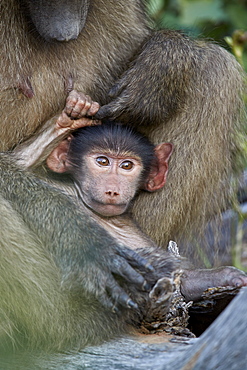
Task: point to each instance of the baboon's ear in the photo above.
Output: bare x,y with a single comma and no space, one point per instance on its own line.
57,160
157,177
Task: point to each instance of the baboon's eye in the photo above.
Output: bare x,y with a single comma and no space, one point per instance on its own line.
127,165
102,161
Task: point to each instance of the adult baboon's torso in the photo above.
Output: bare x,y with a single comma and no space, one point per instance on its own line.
94,61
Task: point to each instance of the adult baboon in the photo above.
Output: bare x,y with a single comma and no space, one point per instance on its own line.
174,88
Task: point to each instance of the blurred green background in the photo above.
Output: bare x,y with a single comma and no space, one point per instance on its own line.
222,20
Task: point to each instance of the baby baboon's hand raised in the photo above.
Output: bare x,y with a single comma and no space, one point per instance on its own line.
79,105
78,112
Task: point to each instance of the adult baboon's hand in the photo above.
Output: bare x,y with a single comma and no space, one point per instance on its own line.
101,277
152,89
124,98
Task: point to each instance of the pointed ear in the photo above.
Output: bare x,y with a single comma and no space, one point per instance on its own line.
57,160
157,177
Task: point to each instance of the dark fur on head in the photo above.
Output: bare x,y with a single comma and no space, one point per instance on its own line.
111,138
